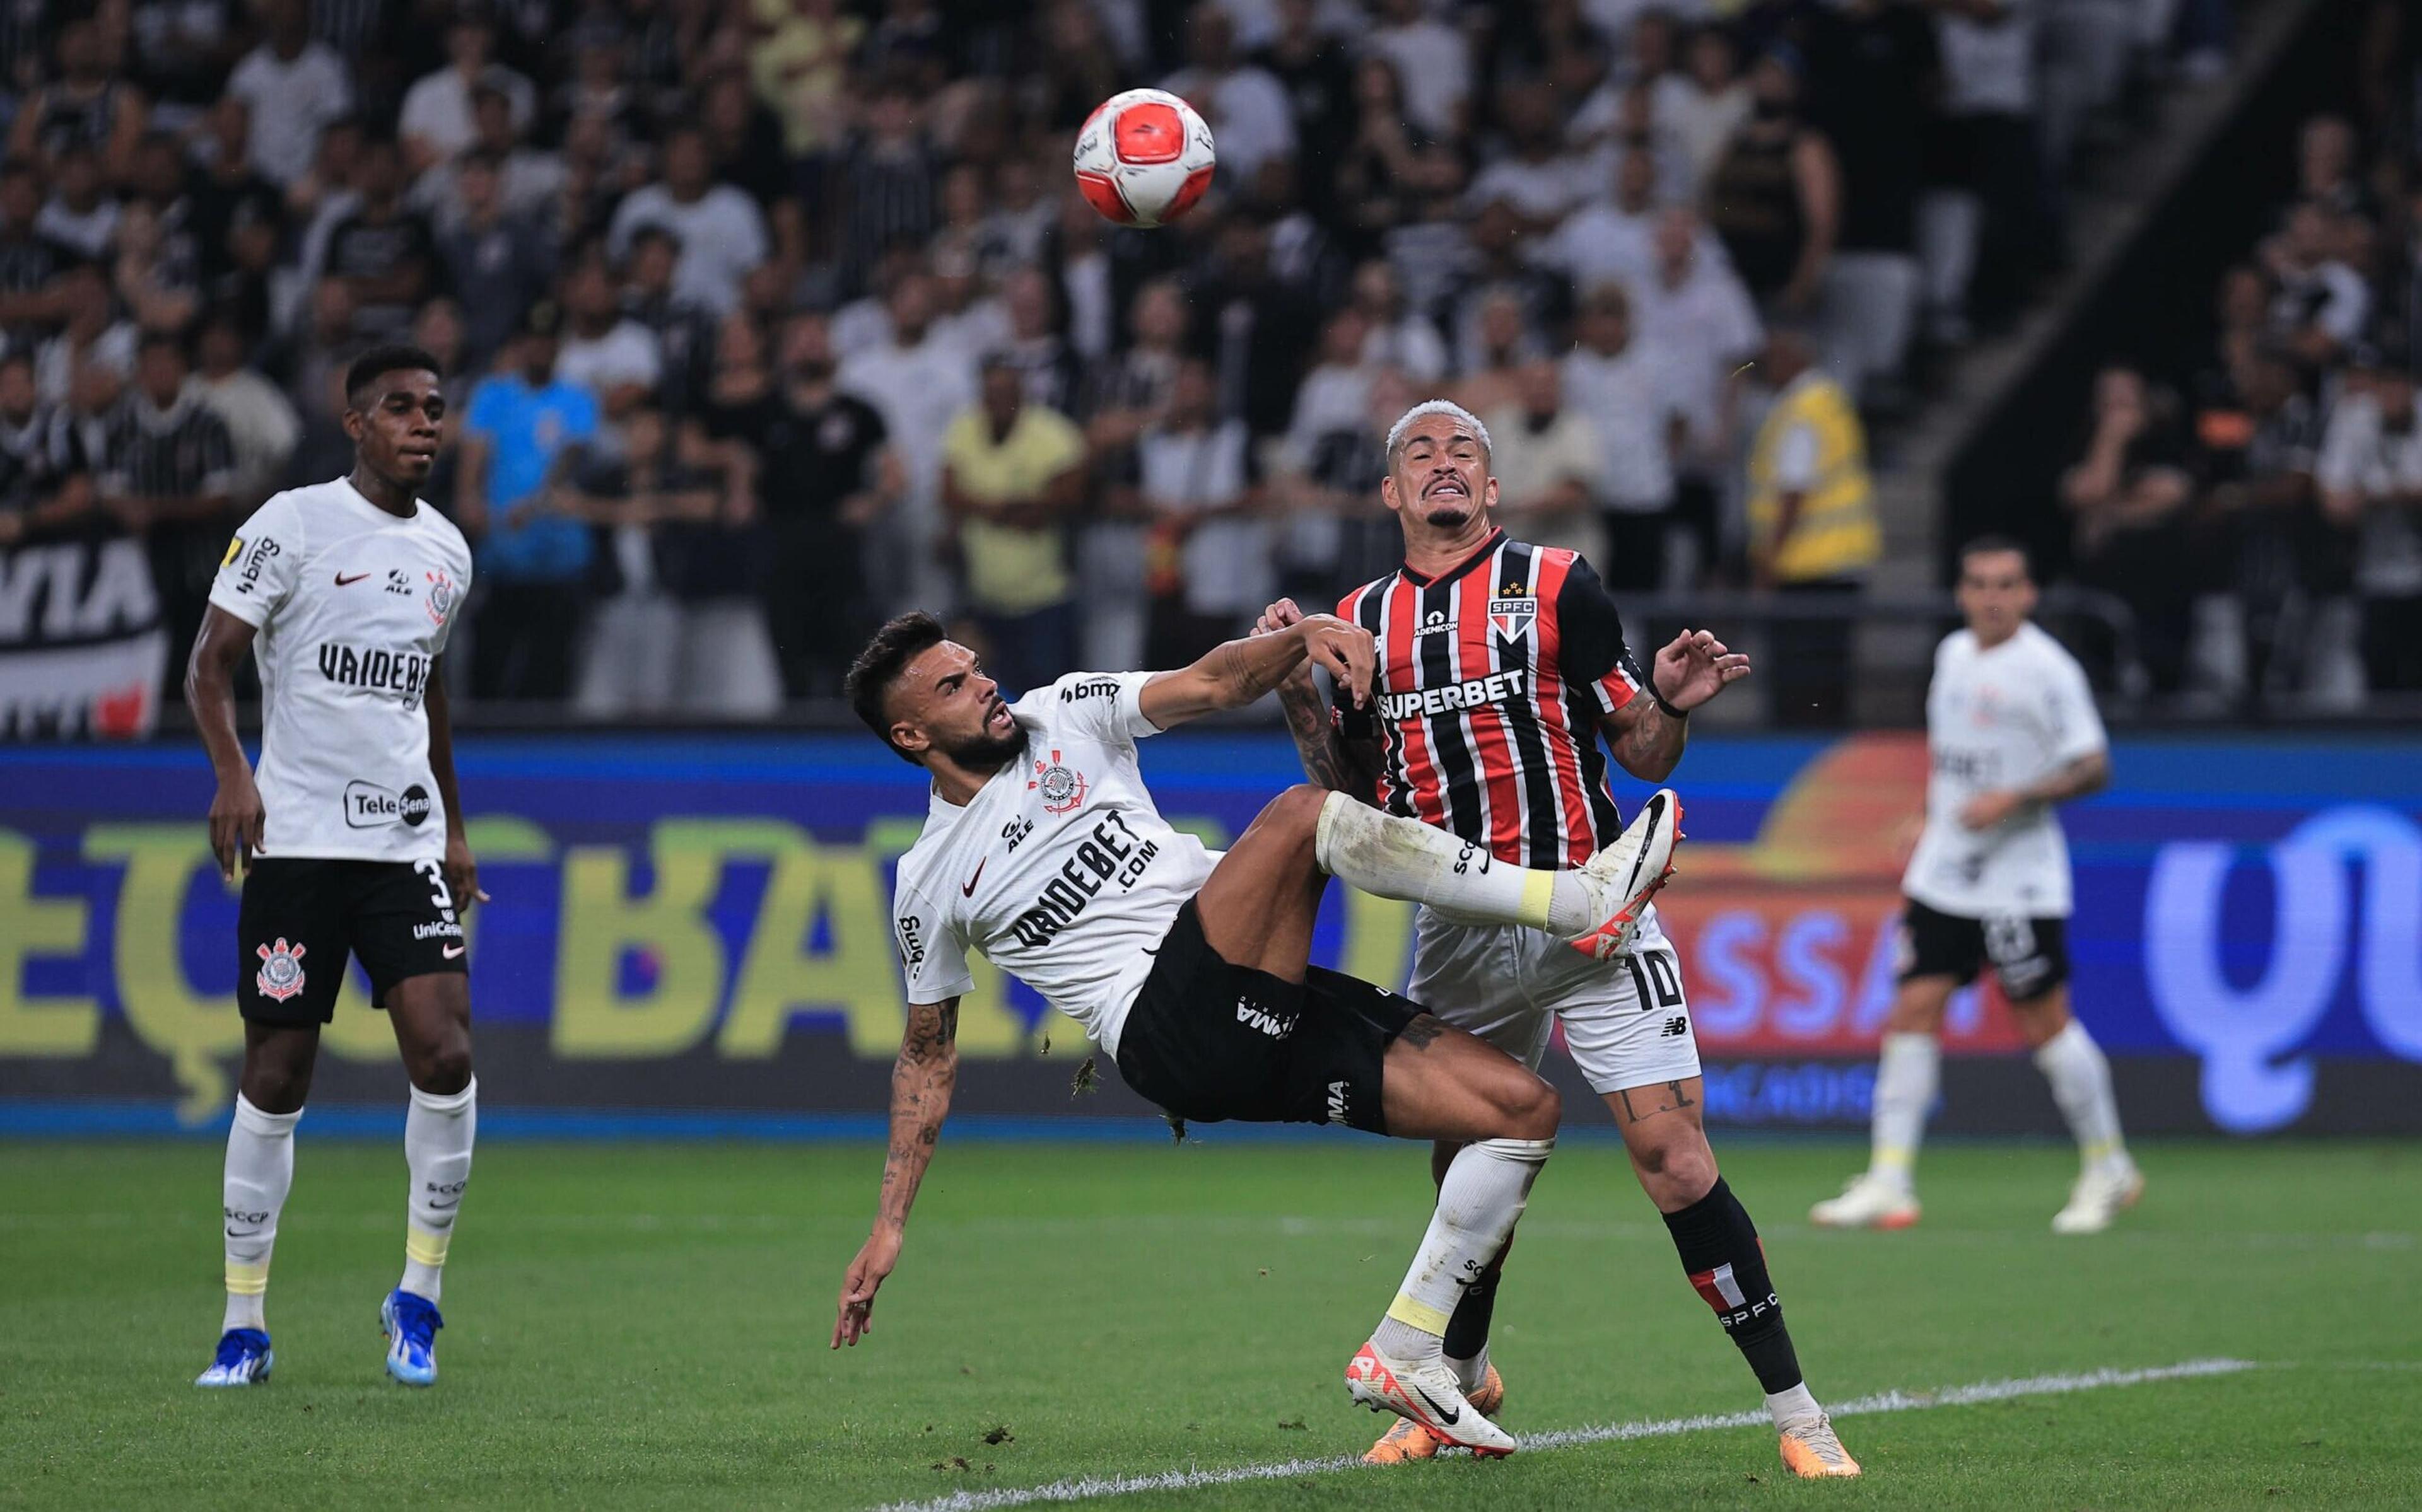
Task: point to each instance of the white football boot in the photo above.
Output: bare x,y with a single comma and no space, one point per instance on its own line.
1428,1394
1868,1201
2103,1193
1626,875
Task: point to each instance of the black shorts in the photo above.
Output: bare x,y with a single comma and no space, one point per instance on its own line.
1208,1041
301,916
2030,955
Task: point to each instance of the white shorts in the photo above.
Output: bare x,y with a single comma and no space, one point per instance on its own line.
1626,1023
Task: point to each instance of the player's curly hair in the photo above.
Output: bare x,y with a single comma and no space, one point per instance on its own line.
880,664
378,361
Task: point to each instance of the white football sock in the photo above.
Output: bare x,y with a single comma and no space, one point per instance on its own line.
437,1149
1907,1074
2081,1083
1793,1407
1478,1203
260,1170
1390,857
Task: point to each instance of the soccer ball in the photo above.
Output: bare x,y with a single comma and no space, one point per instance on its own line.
1143,158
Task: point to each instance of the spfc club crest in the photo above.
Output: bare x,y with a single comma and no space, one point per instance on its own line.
1062,787
1511,618
281,971
441,596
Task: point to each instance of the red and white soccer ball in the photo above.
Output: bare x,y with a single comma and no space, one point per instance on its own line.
1143,158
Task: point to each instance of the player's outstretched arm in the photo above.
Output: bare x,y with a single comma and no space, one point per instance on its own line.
1235,672
921,1081
462,869
237,818
1647,734
1329,759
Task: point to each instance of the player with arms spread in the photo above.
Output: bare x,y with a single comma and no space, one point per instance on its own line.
2012,733
1043,851
350,838
1501,663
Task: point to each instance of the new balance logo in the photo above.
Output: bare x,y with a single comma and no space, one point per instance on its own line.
1675,1028
1260,1019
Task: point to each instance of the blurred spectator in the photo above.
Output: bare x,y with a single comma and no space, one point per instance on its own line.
1392,163
1126,393
2370,476
528,180
168,474
1985,221
1547,460
1337,390
1626,391
684,333
2129,495
30,262
1538,179
1694,311
1240,101
1775,196
45,475
1610,240
824,473
1432,59
883,183
1812,524
604,350
800,68
383,253
497,263
1209,563
1256,334
2322,302
262,428
534,559
920,387
1874,71
1013,472
721,230
1495,343
1313,67
293,88
1045,362
95,333
436,123
84,107
79,216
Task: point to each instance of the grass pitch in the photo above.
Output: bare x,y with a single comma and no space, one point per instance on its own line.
646,1326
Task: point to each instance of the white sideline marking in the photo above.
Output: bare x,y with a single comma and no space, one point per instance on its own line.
1091,1488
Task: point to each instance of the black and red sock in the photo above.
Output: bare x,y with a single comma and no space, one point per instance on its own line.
1720,1251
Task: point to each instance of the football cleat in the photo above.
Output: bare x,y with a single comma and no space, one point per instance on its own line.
244,1359
2100,1195
1812,1452
1868,1201
1428,1396
1626,875
410,1323
1409,1440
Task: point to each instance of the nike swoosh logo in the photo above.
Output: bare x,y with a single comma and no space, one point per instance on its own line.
1450,1419
969,889
342,579
449,951
251,1233
445,1207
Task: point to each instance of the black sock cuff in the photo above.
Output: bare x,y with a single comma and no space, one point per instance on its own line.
1711,1224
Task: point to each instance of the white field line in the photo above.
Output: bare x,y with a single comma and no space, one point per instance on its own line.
1093,1487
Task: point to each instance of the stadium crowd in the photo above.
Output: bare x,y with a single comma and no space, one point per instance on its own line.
765,317
2258,502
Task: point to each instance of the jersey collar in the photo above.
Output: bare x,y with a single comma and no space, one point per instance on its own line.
1479,554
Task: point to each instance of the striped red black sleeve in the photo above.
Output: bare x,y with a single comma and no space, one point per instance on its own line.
1593,654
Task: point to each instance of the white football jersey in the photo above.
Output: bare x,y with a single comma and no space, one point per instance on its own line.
1994,719
1060,871
351,605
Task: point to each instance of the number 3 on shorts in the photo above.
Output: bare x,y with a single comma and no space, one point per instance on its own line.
438,893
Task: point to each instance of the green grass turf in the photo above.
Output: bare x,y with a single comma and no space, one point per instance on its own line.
646,1326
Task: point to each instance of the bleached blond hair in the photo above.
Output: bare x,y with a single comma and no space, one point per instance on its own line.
1429,407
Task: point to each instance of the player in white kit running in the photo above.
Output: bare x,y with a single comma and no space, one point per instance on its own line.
349,837
2011,732
1043,851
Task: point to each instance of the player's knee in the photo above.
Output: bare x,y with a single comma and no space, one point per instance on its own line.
1676,1172
1296,811
1917,1012
444,1067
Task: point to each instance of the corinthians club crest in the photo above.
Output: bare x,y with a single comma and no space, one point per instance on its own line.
1062,787
440,601
281,971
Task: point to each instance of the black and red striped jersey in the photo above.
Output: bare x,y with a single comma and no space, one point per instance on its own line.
1492,677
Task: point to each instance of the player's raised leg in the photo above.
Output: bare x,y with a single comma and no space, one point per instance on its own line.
1664,1136
433,1028
1908,1073
2108,1182
260,1170
1257,909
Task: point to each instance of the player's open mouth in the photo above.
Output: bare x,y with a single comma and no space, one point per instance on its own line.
1447,488
999,717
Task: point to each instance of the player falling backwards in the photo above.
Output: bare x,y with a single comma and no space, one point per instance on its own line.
2011,732
1043,851
350,839
1501,663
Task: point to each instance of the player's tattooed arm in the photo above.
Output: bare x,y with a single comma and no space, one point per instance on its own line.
1329,758
1647,741
922,1082
2087,775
